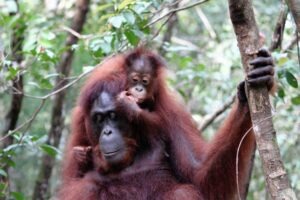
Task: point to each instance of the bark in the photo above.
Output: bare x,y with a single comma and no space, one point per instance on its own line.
242,17
294,6
57,117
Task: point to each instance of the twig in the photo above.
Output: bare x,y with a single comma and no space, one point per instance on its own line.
75,33
160,28
206,23
163,6
214,115
175,10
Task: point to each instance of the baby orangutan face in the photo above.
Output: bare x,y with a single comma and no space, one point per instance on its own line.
140,79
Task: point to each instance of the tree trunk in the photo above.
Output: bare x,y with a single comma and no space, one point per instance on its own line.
246,30
57,118
12,116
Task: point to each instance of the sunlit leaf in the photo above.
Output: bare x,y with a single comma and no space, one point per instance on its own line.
50,150
141,7
3,173
129,16
30,43
125,3
117,21
74,46
282,61
104,7
48,35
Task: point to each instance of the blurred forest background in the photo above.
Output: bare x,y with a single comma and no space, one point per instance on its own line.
52,44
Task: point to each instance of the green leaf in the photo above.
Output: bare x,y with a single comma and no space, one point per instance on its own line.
48,35
30,43
291,79
45,84
296,100
74,47
18,195
50,150
8,161
131,37
2,187
200,67
142,25
104,7
106,48
281,93
3,173
141,7
281,73
124,4
116,21
13,71
282,61
129,16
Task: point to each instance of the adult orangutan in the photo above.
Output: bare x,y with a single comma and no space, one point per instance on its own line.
133,150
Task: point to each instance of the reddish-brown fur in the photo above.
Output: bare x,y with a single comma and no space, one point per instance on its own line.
209,167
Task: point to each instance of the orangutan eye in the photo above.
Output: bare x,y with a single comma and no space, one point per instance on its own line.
98,118
112,115
135,80
145,81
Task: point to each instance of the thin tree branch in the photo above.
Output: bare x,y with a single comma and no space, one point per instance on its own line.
211,118
75,33
291,44
175,10
161,27
206,23
279,28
